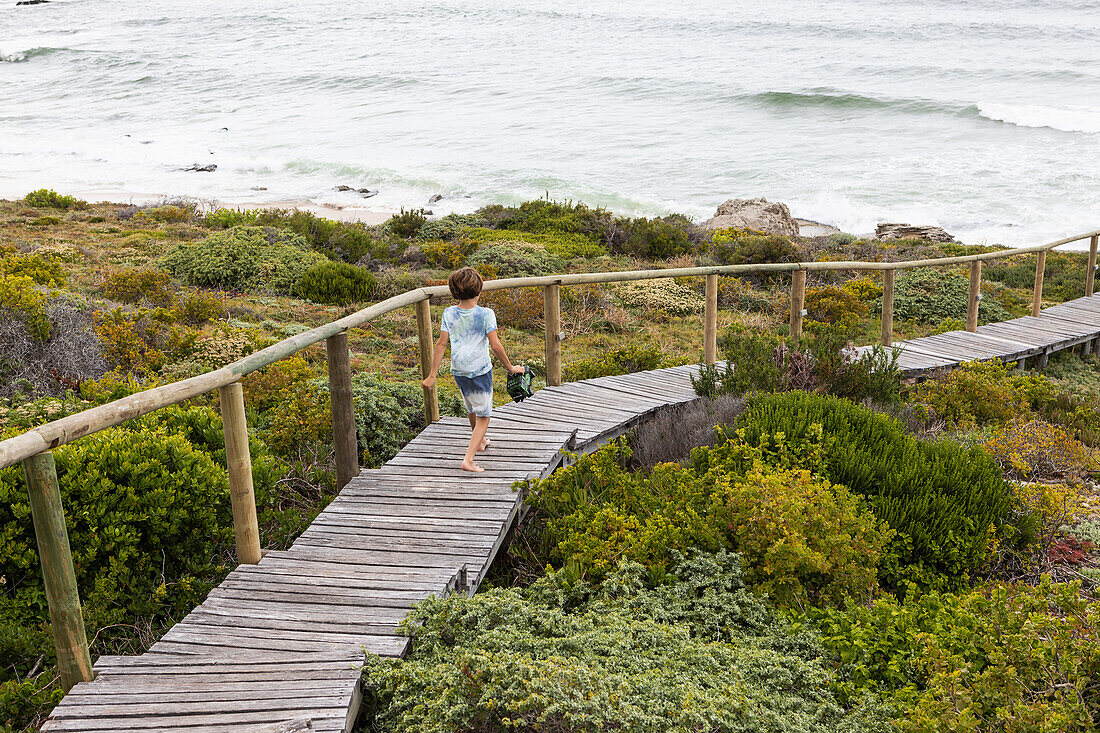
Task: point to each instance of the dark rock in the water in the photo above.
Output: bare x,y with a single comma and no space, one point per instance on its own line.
259,188
887,231
427,212
196,168
224,129
436,197
759,214
32,2
367,193
344,188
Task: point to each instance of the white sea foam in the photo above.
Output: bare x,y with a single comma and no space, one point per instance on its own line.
1067,119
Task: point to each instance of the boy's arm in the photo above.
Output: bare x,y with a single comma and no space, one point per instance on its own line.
437,359
498,349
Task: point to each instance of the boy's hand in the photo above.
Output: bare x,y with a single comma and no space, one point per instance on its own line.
428,382
518,369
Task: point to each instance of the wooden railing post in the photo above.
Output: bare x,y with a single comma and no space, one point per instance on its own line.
1090,276
888,307
239,462
710,321
551,308
427,351
1037,292
798,301
973,296
66,619
343,413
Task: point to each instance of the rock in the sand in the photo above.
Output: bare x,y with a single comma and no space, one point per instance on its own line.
759,214
906,231
435,197
201,168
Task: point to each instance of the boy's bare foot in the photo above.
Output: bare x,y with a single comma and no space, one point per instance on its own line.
484,444
472,467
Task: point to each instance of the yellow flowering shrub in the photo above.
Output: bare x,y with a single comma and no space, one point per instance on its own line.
1038,450
660,296
21,298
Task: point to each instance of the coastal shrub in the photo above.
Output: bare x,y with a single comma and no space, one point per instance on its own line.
930,296
245,258
621,360
406,224
336,283
662,297
1063,277
801,538
945,501
390,414
445,254
656,239
834,306
696,654
544,216
519,308
738,248
135,286
45,221
340,240
197,308
567,246
223,345
23,302
141,341
980,393
44,269
166,214
516,259
69,355
447,227
863,289
393,281
1006,657
1035,450
45,198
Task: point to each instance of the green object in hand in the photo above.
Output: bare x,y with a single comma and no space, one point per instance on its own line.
519,384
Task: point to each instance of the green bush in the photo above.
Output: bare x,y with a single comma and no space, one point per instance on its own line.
390,414
336,283
1063,278
567,246
245,258
43,269
946,502
340,240
801,538
653,238
516,259
662,297
134,286
1001,657
979,393
739,248
698,654
45,198
929,296
407,224
21,300
447,227
622,360
552,217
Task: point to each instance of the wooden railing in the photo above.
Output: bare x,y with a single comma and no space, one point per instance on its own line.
33,447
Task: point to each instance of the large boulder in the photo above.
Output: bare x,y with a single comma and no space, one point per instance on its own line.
759,214
887,231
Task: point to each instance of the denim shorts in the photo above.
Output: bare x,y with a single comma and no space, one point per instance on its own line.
477,393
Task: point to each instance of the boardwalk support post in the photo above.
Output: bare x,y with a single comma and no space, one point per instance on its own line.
710,321
551,308
237,459
888,307
1090,275
973,296
1037,293
346,443
427,351
798,301
66,619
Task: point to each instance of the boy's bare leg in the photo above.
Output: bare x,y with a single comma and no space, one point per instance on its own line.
473,424
476,440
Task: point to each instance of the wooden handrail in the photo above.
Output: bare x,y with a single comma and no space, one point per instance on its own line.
67,429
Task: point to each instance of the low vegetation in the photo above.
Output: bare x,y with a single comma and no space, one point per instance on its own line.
814,563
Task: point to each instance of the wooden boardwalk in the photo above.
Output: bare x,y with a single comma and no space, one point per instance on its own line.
1076,322
277,645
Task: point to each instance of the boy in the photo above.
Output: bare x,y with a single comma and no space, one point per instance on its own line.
472,331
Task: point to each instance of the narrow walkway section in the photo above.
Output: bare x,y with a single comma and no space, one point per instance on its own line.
1055,329
277,646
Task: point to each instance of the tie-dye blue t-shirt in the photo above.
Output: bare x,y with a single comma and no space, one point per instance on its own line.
469,330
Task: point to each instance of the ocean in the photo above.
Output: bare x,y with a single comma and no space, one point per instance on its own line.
982,117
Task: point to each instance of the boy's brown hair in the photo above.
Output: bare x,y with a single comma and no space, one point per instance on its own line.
465,283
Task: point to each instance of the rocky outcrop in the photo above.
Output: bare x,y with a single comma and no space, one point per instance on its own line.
907,231
196,168
31,2
759,214
364,192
